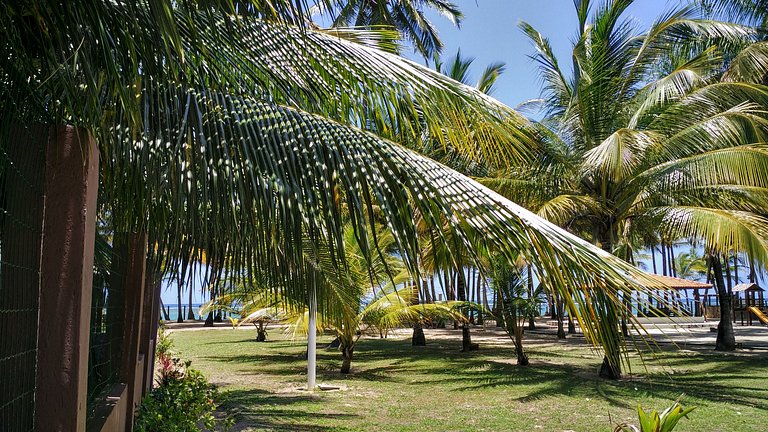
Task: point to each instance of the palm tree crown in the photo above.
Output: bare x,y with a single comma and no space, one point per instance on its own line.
642,140
407,16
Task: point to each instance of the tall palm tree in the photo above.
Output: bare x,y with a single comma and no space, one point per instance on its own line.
232,127
640,137
407,16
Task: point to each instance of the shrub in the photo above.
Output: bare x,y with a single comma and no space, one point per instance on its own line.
183,401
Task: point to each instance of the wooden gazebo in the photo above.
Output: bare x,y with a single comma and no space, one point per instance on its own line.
679,290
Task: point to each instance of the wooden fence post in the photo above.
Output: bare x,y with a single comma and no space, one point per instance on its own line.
132,368
71,186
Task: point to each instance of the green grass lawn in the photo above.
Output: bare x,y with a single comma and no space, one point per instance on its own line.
396,387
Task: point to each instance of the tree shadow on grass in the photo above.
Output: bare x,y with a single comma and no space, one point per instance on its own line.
277,412
703,376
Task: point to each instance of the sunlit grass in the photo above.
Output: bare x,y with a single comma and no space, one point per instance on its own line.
398,387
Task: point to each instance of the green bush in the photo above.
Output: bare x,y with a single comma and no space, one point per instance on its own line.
183,401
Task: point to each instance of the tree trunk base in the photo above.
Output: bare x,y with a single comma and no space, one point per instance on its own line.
726,341
418,338
466,340
209,320
346,363
522,357
609,371
261,333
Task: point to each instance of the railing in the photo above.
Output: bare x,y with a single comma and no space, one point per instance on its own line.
21,186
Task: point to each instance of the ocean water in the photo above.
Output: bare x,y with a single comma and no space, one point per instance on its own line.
173,311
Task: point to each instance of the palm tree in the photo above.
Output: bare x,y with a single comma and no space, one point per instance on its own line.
407,16
641,138
517,303
232,127
690,265
353,302
397,308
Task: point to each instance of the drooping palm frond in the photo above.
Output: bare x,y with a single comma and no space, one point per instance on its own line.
282,64
681,81
400,308
563,209
753,12
260,142
407,16
619,155
750,65
736,230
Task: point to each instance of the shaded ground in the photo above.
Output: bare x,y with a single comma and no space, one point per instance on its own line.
398,387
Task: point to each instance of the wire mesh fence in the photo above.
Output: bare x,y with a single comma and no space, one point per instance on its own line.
21,190
107,318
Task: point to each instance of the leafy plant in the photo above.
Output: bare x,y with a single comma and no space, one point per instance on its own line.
183,401
234,322
655,421
164,344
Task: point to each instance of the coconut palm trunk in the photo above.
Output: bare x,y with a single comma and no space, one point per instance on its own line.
560,316
190,313
461,291
571,325
347,351
517,330
531,295
611,366
261,332
418,338
346,354
726,340
165,312
179,315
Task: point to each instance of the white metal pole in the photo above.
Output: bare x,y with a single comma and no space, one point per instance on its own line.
312,337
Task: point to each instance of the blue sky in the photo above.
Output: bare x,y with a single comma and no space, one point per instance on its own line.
489,33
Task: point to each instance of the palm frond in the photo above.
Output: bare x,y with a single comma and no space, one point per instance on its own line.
750,65
719,230
620,154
